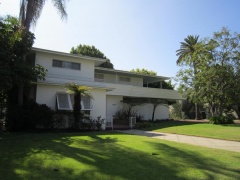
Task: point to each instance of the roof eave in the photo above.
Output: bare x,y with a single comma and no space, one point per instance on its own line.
96,60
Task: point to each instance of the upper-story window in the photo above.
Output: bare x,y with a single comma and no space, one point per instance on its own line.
99,77
124,79
65,64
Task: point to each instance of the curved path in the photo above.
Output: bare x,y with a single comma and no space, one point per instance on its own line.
199,141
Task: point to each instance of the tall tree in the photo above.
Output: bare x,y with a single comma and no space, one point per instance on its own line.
30,11
218,73
78,91
92,52
15,41
185,55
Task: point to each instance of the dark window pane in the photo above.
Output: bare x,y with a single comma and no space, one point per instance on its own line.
75,66
57,63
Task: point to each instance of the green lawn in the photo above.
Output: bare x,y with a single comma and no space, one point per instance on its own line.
227,132
110,155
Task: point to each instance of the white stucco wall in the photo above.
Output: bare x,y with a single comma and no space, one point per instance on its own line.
99,103
161,111
86,72
113,105
46,94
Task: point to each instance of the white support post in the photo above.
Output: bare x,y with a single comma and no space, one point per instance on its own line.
132,121
112,122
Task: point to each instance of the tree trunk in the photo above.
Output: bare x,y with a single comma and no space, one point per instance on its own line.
153,113
197,111
77,110
20,95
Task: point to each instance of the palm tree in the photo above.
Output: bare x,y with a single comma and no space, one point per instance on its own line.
185,54
78,92
30,11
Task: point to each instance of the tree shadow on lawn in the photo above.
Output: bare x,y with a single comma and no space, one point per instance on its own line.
101,155
209,167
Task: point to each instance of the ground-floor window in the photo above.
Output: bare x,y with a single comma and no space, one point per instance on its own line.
66,101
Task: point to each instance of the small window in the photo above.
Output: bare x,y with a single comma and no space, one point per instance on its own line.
124,79
99,76
63,102
86,103
57,63
66,64
76,66
66,102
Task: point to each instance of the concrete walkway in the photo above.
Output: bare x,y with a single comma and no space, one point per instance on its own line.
199,141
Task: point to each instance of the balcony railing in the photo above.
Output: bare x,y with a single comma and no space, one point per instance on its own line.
117,82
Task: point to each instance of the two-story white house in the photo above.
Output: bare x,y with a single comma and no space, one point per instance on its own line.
110,88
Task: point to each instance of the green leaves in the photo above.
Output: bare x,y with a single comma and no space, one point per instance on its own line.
15,43
92,52
73,88
214,77
144,71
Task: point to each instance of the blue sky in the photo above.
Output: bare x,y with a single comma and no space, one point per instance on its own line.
132,33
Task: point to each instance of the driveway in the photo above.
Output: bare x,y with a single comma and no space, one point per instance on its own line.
199,141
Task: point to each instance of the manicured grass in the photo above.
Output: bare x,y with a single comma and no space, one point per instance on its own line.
227,132
110,155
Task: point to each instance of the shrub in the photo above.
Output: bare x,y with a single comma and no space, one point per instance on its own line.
176,111
30,116
125,114
92,124
221,120
143,124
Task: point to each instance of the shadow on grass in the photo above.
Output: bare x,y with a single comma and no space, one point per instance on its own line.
98,155
207,167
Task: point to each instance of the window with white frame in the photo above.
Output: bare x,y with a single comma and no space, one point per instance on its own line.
66,64
124,79
66,101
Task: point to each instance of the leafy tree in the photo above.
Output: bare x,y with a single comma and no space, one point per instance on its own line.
185,57
144,71
217,75
92,52
15,41
78,92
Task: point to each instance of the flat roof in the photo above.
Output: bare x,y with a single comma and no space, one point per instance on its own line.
98,61
146,77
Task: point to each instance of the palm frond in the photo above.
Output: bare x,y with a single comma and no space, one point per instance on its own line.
61,7
30,11
187,48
